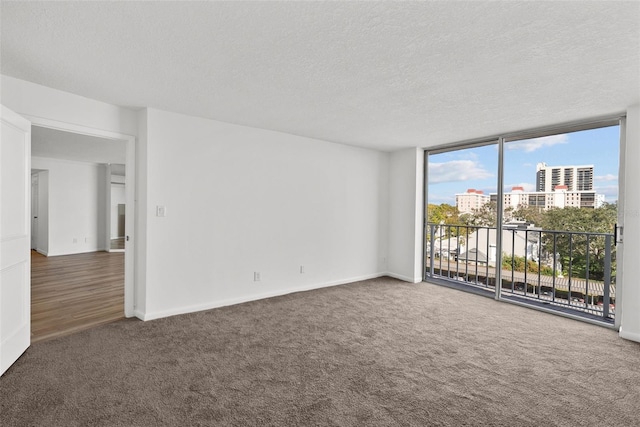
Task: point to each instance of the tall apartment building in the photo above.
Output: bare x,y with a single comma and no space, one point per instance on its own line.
556,187
560,197
575,178
472,199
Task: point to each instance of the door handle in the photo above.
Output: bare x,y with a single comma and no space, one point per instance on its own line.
617,236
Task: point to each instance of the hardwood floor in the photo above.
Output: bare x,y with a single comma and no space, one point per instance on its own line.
74,292
117,243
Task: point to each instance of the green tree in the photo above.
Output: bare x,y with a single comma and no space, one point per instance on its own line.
444,215
573,248
518,263
531,214
484,216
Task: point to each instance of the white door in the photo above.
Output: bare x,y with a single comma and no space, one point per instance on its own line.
15,261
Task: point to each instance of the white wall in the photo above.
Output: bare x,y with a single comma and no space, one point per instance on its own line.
31,99
118,196
76,222
241,200
406,184
629,300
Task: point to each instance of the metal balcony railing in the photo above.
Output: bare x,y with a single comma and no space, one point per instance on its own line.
567,271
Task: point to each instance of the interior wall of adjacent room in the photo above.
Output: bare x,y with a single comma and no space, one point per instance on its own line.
118,197
42,234
242,200
76,210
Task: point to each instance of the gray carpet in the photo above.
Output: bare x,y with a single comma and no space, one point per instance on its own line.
379,352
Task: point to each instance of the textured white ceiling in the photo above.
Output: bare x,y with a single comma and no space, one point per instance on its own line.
58,144
384,75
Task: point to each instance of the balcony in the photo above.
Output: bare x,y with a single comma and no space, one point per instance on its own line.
568,272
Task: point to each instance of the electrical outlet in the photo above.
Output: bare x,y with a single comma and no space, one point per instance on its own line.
256,276
302,269
75,240
161,211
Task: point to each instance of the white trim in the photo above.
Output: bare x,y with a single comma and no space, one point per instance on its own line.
41,252
74,128
404,278
130,261
629,335
255,297
88,251
56,159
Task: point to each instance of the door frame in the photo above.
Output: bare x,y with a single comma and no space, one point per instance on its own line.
130,175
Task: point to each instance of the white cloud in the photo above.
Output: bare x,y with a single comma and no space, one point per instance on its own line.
527,186
438,199
610,192
456,171
607,177
530,145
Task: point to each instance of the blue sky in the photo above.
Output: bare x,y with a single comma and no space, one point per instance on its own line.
456,171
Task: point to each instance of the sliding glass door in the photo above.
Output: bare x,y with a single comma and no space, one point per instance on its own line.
461,219
528,218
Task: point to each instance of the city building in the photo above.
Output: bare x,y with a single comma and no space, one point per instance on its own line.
470,200
560,197
575,178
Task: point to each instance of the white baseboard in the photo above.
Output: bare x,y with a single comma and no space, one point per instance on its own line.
248,298
76,253
404,278
41,252
139,314
632,336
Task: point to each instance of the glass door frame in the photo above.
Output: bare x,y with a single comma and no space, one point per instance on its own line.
500,140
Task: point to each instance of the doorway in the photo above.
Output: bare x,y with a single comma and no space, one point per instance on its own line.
77,282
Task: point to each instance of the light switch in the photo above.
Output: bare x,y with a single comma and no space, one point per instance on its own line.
161,211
